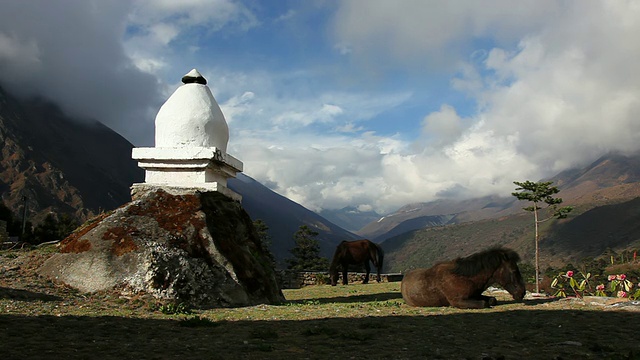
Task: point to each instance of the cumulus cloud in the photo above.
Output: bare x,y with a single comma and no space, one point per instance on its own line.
156,29
565,93
548,98
416,32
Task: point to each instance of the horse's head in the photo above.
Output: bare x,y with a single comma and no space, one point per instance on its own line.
335,262
333,274
509,277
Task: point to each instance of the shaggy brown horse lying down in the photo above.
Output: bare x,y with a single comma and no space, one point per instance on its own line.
462,281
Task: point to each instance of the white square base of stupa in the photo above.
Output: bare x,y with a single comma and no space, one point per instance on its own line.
205,169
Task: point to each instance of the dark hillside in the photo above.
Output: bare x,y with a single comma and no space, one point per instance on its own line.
615,227
61,164
587,233
284,217
423,248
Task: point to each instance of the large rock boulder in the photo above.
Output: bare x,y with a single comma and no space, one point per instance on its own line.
195,247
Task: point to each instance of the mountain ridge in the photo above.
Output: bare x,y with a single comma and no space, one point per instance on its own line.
611,178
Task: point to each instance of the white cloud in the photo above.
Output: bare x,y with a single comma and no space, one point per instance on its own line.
23,55
435,32
441,128
154,25
566,93
554,84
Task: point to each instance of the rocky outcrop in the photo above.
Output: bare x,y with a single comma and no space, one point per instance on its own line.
195,247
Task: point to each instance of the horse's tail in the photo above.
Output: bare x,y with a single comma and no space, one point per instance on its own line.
379,255
376,254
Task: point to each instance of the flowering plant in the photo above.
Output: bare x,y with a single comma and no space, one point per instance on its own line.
619,286
577,286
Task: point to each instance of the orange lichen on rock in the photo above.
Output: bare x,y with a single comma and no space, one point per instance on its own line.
173,212
73,244
180,216
122,242
76,246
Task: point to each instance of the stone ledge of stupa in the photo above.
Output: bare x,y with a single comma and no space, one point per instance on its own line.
183,157
186,169
140,189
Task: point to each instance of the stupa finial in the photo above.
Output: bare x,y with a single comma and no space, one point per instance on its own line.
194,76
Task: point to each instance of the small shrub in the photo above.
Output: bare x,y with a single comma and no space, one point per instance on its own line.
578,286
322,279
174,309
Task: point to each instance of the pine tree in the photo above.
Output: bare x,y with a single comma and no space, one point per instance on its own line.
55,228
47,230
265,240
540,193
306,252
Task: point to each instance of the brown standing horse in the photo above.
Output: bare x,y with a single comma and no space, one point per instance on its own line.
462,281
355,252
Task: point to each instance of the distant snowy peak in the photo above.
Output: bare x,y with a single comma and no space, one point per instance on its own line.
350,217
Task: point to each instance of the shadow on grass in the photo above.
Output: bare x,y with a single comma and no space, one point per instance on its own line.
517,334
533,302
350,299
26,295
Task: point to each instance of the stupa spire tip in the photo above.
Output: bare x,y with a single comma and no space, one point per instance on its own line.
194,76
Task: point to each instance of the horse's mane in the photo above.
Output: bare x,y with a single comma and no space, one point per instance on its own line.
486,260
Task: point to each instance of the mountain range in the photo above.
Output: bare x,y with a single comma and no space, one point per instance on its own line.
606,218
611,178
77,166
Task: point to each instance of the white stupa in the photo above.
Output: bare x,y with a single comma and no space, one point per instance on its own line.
190,143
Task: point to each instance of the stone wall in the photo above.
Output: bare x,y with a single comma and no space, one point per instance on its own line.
294,280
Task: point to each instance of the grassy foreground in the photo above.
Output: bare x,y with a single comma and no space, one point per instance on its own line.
41,320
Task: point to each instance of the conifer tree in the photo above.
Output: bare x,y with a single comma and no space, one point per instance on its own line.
306,252
540,193
265,240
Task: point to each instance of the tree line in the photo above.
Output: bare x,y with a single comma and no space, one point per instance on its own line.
305,252
52,227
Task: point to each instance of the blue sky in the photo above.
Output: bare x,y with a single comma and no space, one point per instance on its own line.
367,103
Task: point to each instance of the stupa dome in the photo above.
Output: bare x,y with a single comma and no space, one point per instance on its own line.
191,117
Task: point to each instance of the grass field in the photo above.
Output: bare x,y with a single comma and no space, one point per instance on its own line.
42,320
